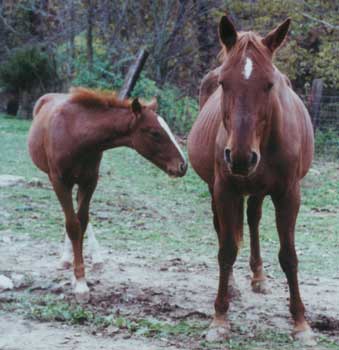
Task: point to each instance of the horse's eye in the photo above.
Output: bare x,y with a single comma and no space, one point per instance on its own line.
156,135
268,87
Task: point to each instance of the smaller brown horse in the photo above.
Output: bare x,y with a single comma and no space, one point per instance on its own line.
253,137
67,139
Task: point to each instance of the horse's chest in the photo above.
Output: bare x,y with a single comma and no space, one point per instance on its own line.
250,186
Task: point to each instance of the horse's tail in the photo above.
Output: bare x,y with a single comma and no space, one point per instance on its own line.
38,105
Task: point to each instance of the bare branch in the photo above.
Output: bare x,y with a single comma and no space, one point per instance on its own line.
327,24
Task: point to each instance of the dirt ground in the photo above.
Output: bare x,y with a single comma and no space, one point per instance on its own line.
139,285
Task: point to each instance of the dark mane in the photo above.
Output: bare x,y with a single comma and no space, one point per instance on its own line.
97,99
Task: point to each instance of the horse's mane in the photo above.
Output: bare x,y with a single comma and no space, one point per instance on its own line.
97,99
245,40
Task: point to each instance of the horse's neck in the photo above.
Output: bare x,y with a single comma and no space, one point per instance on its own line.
107,129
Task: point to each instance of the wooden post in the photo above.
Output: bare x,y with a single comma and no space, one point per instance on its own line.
133,74
314,101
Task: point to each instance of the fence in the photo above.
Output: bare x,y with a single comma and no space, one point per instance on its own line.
324,111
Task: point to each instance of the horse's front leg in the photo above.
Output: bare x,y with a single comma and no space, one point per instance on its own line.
229,208
254,205
287,208
233,290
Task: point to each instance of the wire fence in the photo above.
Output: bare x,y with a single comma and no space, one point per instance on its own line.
325,119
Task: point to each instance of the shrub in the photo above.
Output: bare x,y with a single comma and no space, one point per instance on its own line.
26,69
178,110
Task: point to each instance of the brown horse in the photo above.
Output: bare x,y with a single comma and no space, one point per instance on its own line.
253,137
67,138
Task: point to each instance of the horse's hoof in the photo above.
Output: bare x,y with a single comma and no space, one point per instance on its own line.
260,287
306,337
65,264
81,291
218,331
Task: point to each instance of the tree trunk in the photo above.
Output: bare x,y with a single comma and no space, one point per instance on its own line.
203,34
314,102
72,28
89,36
133,74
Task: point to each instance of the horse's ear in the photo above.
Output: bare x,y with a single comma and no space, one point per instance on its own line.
136,107
227,32
277,36
153,105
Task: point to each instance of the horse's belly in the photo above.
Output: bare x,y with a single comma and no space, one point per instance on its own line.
201,140
201,158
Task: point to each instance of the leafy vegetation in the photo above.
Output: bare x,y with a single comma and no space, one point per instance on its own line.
179,111
26,69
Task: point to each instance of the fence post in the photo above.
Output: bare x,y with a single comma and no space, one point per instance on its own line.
133,74
314,101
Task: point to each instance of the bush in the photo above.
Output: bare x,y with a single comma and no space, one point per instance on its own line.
179,111
101,77
26,69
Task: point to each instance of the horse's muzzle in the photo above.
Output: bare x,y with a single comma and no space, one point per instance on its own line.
242,165
178,171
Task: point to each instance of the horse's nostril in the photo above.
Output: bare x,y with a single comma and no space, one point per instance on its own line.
228,155
254,158
183,167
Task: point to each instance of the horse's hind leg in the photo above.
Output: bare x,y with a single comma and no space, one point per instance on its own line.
67,253
287,207
84,196
75,234
94,249
254,205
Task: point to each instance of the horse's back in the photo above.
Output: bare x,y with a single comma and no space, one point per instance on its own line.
43,110
201,139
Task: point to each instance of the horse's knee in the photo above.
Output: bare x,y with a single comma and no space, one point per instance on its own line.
227,255
73,229
288,259
83,217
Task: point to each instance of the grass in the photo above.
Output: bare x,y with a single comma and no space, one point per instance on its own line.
137,207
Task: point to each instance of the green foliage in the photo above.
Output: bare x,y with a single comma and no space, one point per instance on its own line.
51,310
101,77
325,64
25,69
311,50
179,111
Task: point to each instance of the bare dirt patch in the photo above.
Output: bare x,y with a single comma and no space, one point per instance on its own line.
139,285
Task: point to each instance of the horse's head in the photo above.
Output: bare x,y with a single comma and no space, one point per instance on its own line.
153,139
247,78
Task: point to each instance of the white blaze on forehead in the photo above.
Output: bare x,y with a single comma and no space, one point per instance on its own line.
247,68
171,136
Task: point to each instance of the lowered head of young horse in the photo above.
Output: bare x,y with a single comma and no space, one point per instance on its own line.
249,83
152,138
